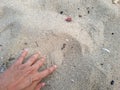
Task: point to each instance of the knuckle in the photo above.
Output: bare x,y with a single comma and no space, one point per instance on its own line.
21,57
15,66
34,68
40,63
34,57
29,70
49,70
32,60
38,77
21,67
42,60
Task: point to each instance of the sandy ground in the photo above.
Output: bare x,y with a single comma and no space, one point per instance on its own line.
86,50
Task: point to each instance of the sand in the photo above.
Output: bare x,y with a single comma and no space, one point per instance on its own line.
86,49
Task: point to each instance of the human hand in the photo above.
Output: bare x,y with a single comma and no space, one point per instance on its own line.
25,76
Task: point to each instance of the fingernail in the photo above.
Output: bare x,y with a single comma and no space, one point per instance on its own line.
43,84
38,52
55,66
44,57
26,49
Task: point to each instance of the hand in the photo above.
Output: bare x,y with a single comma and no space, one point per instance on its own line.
25,76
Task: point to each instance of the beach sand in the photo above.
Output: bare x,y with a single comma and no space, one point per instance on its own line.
81,36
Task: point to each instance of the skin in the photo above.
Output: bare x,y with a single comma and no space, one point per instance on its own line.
25,76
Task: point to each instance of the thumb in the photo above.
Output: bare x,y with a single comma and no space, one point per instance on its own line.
39,86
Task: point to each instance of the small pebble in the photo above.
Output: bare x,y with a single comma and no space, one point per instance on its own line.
67,40
68,19
105,49
112,82
101,64
11,58
112,33
64,45
115,1
25,43
2,69
61,12
1,57
88,11
72,80
80,15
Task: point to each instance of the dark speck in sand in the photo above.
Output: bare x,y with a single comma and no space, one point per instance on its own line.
61,12
25,43
7,64
112,82
64,45
11,58
101,64
80,15
74,66
36,43
0,45
112,33
88,11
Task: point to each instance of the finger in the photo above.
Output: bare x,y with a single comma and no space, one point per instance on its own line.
33,59
39,63
47,72
22,56
39,86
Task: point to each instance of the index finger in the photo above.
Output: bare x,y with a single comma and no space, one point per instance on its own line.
22,56
47,72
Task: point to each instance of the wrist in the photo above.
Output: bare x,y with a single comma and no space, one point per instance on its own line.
2,84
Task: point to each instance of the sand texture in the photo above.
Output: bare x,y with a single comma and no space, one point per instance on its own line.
85,48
